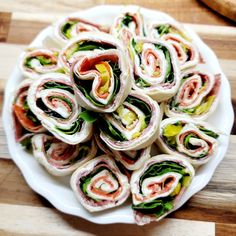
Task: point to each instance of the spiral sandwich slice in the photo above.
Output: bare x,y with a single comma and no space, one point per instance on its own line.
85,44
131,160
133,125
128,25
70,27
51,98
37,61
197,96
194,140
159,29
158,186
100,185
25,122
60,158
101,80
156,71
173,33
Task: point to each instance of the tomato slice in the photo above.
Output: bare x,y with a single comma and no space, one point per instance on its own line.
23,119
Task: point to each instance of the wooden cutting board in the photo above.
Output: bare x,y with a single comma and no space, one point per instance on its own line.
211,210
224,7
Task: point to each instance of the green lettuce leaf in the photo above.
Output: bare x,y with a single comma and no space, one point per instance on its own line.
209,132
85,180
67,28
162,168
144,107
126,20
163,29
86,87
73,129
26,143
51,85
110,130
157,207
88,116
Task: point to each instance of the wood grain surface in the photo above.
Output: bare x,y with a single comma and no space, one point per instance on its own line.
211,211
225,7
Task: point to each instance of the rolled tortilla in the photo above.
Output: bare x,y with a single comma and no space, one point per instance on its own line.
158,186
25,122
100,185
175,34
37,61
131,160
185,137
128,25
60,158
101,80
156,69
85,44
133,126
51,98
197,96
71,26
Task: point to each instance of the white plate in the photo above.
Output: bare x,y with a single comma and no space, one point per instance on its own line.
57,189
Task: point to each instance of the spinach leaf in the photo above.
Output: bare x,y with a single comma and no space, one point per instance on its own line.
126,20
141,82
26,143
116,73
163,29
30,114
47,145
47,110
85,180
91,45
133,43
66,28
44,60
86,86
110,130
162,168
89,97
144,107
209,132
73,129
169,73
157,207
189,145
27,62
88,116
51,85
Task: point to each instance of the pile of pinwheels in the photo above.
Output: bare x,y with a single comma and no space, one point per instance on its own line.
94,106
